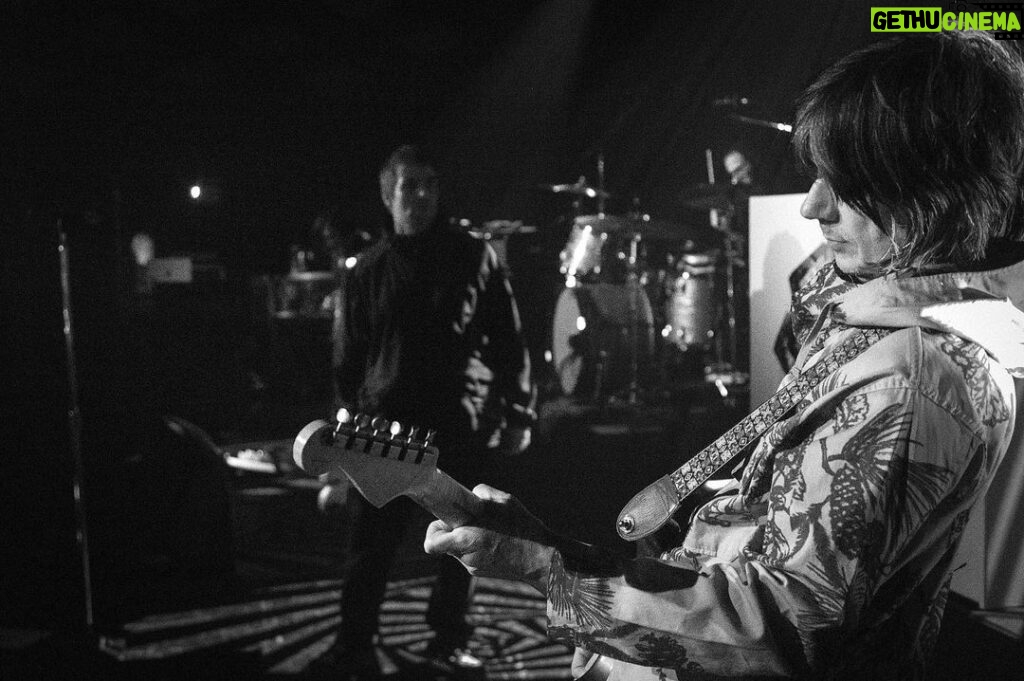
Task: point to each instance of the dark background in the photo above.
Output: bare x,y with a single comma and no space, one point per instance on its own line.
280,111
110,111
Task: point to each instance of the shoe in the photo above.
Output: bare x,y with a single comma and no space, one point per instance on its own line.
341,663
454,660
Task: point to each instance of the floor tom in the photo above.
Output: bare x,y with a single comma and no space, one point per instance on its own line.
690,308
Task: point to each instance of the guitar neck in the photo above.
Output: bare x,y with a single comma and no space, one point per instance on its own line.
445,498
383,467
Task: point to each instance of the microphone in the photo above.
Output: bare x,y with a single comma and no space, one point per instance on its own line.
731,101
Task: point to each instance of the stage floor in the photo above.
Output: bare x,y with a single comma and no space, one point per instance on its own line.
280,608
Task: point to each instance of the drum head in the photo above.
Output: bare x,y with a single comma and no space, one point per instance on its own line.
593,339
568,362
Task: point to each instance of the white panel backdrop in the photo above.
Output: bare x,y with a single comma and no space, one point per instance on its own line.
779,241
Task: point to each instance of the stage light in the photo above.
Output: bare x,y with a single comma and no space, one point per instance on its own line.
196,191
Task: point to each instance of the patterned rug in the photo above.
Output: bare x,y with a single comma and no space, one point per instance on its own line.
282,629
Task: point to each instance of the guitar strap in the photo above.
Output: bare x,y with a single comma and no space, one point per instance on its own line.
653,506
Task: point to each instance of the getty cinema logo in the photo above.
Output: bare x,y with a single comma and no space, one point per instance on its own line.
1002,19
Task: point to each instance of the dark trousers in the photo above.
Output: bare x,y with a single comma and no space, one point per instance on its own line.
375,535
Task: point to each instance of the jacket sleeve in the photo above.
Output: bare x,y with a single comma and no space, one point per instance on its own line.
505,350
828,525
350,343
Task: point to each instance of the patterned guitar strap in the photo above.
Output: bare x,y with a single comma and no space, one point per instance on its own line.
652,507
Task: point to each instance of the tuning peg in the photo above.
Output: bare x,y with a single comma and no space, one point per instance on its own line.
413,432
379,425
344,416
395,429
362,421
429,439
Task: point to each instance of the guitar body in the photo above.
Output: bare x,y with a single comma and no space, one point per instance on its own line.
588,666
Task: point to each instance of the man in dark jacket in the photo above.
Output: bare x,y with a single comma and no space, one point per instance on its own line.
429,336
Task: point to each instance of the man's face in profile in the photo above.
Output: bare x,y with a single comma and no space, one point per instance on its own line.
414,202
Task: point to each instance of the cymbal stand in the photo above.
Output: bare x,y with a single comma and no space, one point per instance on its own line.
633,286
730,294
725,372
577,201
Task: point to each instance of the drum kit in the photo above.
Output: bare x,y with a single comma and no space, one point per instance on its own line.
641,307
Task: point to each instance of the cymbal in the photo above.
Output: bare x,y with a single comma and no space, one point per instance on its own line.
774,125
580,188
603,222
644,226
494,229
662,230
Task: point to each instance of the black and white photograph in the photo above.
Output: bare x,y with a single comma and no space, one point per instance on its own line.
541,340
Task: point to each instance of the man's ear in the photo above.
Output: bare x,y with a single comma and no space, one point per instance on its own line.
385,198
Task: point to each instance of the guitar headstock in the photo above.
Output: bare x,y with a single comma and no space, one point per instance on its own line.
382,458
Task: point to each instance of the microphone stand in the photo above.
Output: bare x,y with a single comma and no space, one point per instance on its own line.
75,427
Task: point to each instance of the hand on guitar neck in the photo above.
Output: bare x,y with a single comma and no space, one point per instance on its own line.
490,531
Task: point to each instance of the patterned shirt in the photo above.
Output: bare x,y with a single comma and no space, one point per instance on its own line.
833,557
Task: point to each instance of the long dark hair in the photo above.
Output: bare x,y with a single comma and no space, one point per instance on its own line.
927,129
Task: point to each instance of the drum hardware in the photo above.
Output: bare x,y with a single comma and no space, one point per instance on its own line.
602,222
593,366
708,196
580,188
494,229
661,230
724,371
781,127
642,225
495,232
602,359
585,252
302,295
603,324
720,200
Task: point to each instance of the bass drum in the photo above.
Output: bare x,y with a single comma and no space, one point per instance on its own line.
582,254
593,338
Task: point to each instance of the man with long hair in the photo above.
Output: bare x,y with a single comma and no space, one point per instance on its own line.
832,555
